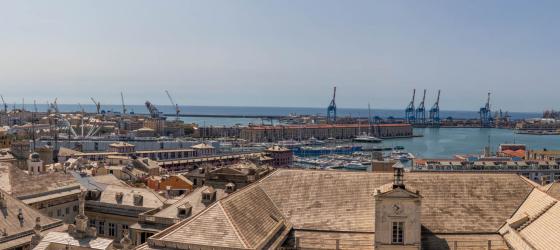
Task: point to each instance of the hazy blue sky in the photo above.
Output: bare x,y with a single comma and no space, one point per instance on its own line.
283,53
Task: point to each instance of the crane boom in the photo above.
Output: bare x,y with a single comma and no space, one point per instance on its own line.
177,110
5,105
123,106
331,109
97,105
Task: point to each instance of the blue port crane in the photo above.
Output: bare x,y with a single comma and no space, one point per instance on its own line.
409,111
331,110
434,112
486,114
421,111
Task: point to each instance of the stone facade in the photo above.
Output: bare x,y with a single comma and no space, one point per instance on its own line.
322,131
397,220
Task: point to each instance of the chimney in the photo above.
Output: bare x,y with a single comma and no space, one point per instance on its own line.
3,201
20,217
167,192
119,196
230,188
138,199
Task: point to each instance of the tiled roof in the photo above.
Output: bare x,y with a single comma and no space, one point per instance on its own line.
22,184
535,224
342,202
553,190
67,152
208,228
150,199
194,199
544,232
14,226
60,238
249,220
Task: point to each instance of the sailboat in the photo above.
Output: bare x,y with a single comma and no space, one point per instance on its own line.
367,138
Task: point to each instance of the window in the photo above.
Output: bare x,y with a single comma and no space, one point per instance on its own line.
75,208
101,228
397,232
67,210
58,212
91,223
112,229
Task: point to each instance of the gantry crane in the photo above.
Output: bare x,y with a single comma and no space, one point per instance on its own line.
409,111
5,105
123,106
177,110
421,111
434,112
331,109
486,114
97,105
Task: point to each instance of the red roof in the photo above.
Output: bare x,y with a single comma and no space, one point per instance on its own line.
517,153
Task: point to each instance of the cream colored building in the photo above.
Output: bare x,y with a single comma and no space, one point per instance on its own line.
52,193
310,209
114,208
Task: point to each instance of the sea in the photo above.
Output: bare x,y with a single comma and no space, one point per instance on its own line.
434,142
273,111
444,143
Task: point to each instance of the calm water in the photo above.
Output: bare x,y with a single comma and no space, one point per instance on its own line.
446,142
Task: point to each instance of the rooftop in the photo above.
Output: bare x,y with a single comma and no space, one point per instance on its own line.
17,228
61,239
150,199
22,184
194,199
342,203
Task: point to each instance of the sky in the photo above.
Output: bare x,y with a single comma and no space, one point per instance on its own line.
283,53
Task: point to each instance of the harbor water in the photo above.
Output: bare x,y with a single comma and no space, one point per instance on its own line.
446,142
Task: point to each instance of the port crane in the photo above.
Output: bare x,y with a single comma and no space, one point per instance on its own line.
123,106
331,110
434,112
177,110
154,112
409,111
5,105
486,114
97,105
421,111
